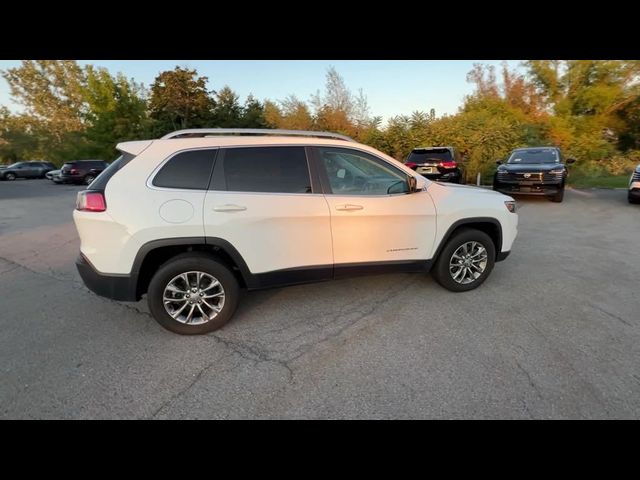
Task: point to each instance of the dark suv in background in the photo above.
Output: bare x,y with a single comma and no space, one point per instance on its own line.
533,171
33,169
436,163
81,171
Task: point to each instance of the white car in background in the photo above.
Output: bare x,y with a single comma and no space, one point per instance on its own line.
192,217
634,186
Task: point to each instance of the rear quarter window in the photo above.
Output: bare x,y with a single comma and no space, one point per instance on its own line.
190,170
100,183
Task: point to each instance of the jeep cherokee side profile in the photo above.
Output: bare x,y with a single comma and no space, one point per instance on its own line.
191,218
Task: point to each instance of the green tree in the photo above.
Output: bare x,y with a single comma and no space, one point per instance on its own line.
116,112
227,111
179,99
253,114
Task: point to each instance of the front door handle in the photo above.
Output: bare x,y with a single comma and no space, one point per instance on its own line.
349,207
229,208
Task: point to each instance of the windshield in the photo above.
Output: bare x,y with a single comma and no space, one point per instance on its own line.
538,155
423,155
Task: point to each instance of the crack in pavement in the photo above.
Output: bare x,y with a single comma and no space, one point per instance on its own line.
256,355
612,315
44,274
531,382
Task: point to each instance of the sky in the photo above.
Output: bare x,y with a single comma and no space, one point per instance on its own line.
392,87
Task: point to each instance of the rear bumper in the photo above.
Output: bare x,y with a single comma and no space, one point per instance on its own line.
451,176
70,179
115,287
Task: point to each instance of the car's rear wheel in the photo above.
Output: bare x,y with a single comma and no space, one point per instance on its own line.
89,178
465,261
10,176
193,294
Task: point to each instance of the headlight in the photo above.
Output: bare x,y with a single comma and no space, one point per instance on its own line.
557,172
511,206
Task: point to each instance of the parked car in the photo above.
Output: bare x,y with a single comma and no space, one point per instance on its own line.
634,186
82,171
437,163
32,169
533,171
54,176
216,212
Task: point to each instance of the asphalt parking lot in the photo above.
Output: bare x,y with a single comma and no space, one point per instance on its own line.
553,333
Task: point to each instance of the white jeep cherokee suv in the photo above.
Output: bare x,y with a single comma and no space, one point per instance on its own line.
192,217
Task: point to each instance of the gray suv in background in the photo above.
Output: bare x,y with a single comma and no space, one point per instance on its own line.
34,169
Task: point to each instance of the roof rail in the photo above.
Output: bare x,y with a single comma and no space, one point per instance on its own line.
206,132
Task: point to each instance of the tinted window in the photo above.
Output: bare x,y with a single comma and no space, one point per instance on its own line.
266,169
352,172
100,183
421,155
187,170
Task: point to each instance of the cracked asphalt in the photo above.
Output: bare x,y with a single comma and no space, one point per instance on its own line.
553,333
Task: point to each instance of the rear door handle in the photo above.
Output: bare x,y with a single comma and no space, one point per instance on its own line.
349,207
229,208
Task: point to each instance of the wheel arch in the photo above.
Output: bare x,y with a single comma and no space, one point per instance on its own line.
153,254
489,225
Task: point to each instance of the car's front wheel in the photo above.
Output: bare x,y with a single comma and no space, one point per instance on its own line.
9,176
558,196
465,261
193,294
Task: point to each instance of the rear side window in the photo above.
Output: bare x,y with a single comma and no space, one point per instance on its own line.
266,169
189,170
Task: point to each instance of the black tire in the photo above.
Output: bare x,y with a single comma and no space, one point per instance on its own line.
633,199
10,176
558,197
192,261
89,178
441,271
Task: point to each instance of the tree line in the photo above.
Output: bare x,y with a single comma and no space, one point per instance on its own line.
589,108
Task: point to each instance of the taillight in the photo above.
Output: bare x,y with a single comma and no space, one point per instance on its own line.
73,171
88,201
448,164
411,164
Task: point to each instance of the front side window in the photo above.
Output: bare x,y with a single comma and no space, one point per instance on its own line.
266,170
188,170
352,172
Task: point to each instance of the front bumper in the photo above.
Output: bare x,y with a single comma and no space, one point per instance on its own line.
529,188
115,287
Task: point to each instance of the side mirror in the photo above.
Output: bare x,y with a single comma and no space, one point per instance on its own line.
412,182
571,160
498,162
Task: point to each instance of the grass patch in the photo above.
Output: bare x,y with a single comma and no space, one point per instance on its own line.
599,181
